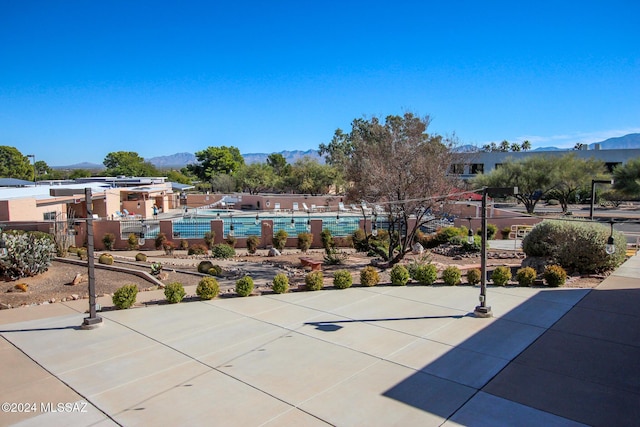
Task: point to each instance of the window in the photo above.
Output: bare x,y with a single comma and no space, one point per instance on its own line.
49,216
457,168
611,165
477,168
498,165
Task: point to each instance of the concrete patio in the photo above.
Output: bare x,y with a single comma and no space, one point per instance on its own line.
406,356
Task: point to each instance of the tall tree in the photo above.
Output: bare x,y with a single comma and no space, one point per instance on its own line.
128,163
278,163
309,176
399,164
627,178
526,145
13,164
256,178
533,176
215,161
570,174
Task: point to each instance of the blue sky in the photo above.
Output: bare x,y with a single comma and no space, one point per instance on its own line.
80,79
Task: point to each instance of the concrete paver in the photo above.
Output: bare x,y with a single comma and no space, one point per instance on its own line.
363,356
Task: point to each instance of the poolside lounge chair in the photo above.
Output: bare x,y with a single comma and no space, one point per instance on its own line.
276,207
314,208
305,207
342,208
295,207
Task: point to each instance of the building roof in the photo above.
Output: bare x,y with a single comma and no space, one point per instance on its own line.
14,182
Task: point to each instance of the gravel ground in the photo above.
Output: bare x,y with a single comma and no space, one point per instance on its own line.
55,284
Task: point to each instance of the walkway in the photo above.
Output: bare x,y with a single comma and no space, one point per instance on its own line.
406,356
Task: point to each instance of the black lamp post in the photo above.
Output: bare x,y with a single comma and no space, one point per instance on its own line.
483,310
593,192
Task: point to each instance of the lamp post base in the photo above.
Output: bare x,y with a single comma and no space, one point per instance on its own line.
483,311
91,322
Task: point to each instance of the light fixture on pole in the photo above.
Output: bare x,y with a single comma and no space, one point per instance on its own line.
483,310
470,233
143,230
338,218
308,222
610,247
257,221
231,230
293,221
593,192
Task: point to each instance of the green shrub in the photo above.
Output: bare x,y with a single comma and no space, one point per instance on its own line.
244,286
160,239
575,245
82,253
492,230
222,250
106,259
209,239
505,231
335,257
72,249
231,241
369,276
327,240
208,288
451,275
174,292
132,242
205,266
342,279
399,275
473,276
280,283
314,280
184,245
359,241
554,275
252,244
280,239
476,246
304,241
125,296
156,268
444,235
29,253
426,274
501,276
198,249
140,257
108,240
526,276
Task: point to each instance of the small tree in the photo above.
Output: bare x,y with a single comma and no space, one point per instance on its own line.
252,244
304,241
280,239
108,240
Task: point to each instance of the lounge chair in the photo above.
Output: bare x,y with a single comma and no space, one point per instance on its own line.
295,207
276,207
305,207
314,208
342,208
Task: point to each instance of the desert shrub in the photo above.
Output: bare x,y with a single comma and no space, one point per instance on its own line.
327,240
222,250
209,239
108,240
304,241
501,276
231,241
473,276
451,275
205,266
72,249
280,239
184,245
575,245
216,270
554,275
132,242
335,257
244,286
280,283
168,247
399,275
82,253
29,253
156,268
174,292
252,244
342,279
106,259
313,281
426,274
492,230
198,249
140,257
462,241
359,241
160,239
504,232
208,288
526,276
125,296
444,235
369,276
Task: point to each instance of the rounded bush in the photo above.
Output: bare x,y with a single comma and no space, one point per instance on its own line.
314,280
526,276
125,296
252,244
501,276
492,230
554,275
208,288
451,275
244,286
575,245
280,283
399,275
222,250
141,257
369,276
197,249
280,239
473,276
132,242
174,292
82,253
304,241
106,259
426,274
205,266
342,279
216,270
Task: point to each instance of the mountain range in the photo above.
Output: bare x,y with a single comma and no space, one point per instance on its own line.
180,160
